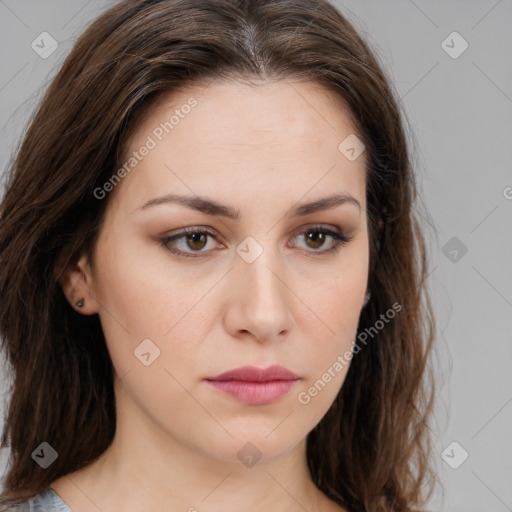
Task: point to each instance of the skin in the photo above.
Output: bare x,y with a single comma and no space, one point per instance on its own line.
177,438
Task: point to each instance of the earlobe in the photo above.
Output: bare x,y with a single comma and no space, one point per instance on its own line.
77,285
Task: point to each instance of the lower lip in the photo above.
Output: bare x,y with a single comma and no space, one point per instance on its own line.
254,393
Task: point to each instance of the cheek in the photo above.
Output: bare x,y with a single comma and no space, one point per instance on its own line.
142,292
331,325
145,309
329,354
144,296
335,298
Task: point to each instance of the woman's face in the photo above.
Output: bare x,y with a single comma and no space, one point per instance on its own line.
262,281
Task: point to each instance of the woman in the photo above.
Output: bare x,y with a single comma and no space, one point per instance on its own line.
212,278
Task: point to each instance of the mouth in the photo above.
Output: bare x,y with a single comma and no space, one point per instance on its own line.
255,386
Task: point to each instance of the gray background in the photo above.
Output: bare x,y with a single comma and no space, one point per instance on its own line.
460,114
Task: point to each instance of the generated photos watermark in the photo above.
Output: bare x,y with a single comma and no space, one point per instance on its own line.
151,142
343,360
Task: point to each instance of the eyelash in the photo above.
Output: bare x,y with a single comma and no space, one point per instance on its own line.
339,238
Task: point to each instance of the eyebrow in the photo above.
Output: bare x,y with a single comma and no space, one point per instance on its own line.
211,207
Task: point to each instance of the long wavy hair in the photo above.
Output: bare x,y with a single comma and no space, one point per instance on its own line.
372,450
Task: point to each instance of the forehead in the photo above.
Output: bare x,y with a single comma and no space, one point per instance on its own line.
239,108
269,135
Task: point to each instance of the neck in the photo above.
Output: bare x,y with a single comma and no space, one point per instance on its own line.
145,468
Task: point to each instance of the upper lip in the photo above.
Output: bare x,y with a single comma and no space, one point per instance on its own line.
254,374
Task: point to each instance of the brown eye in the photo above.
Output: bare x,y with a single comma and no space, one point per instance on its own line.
197,241
315,239
188,242
192,242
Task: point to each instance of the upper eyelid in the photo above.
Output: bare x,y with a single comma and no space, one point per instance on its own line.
213,233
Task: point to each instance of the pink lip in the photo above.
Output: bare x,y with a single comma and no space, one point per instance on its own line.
255,386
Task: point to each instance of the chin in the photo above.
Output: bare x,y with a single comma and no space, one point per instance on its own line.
255,444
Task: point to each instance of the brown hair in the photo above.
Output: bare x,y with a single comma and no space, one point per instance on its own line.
371,451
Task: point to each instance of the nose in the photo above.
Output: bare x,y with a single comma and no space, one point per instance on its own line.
259,306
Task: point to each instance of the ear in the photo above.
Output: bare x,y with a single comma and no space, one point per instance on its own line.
78,286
